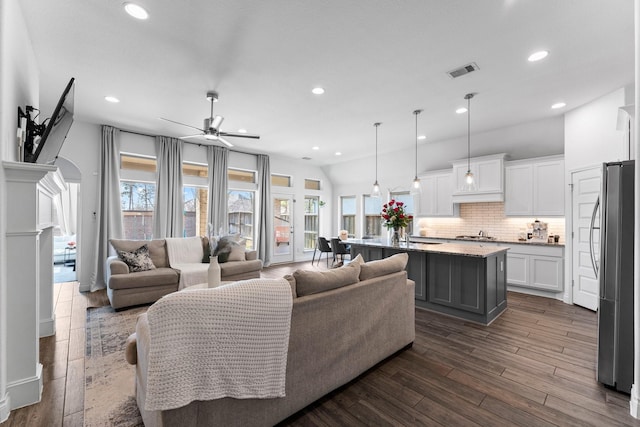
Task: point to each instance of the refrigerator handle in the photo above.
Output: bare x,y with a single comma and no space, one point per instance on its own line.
592,227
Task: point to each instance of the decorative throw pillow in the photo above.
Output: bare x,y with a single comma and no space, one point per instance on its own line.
224,247
313,282
237,251
138,260
385,266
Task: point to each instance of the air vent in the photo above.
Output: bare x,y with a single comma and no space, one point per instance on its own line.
465,69
306,158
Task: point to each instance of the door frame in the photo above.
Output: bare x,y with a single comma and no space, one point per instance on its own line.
290,255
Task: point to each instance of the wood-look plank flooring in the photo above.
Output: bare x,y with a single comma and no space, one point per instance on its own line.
534,366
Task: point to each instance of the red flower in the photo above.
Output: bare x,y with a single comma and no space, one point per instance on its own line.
392,202
400,203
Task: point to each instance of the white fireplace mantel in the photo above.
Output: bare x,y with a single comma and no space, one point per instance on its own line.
29,204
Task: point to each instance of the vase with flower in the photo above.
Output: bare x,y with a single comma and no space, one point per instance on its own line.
395,217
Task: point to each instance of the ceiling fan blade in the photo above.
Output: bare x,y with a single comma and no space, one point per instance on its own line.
225,142
240,135
182,124
191,136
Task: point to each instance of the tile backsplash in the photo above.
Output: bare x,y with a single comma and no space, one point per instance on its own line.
488,217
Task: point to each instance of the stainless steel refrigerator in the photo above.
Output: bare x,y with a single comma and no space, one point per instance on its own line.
615,313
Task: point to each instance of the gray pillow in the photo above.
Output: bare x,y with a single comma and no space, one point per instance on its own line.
137,260
382,267
225,246
313,282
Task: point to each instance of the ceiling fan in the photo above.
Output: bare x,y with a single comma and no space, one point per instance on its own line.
211,130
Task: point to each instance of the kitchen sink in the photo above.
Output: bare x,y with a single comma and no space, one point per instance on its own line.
474,237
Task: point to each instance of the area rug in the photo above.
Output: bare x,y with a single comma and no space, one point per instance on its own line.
109,395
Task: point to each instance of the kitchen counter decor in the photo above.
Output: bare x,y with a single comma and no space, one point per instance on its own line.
394,217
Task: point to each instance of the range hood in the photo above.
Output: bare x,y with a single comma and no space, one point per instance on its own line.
489,175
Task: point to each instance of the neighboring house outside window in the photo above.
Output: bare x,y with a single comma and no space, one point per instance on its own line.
372,218
241,207
311,222
195,213
348,214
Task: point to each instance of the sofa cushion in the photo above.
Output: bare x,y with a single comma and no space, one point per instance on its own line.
142,279
157,249
233,268
292,282
137,260
313,282
382,267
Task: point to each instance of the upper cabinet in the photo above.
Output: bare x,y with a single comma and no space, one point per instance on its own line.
436,189
535,187
488,172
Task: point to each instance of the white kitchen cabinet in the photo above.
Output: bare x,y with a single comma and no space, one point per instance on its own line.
436,189
488,172
536,267
535,187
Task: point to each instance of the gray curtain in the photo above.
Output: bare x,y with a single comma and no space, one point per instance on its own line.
265,211
168,212
109,213
218,158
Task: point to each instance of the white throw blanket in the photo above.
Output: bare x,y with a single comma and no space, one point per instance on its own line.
185,255
229,341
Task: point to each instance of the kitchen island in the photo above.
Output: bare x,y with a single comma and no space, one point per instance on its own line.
462,280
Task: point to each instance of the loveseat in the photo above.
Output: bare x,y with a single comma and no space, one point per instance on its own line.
343,322
126,288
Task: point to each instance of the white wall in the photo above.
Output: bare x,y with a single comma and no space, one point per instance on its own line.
396,169
19,87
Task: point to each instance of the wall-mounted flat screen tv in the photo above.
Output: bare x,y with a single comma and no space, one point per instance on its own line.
49,145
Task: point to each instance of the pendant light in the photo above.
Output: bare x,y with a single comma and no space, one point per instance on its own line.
469,180
415,187
376,187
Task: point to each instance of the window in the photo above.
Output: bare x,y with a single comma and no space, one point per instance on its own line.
372,218
145,164
311,184
311,222
195,211
406,198
137,200
241,175
348,214
195,169
241,205
281,180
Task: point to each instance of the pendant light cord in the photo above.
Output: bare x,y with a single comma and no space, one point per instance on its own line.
468,98
416,112
376,125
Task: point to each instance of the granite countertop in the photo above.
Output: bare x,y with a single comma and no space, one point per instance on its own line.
478,250
492,240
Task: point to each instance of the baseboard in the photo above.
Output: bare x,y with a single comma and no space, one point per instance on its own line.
5,407
48,327
634,403
26,391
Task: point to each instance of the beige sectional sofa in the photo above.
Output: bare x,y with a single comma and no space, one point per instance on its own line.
342,323
126,289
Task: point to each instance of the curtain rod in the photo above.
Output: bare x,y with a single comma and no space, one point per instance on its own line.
188,142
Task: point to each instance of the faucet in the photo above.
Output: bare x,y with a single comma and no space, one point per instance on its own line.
481,233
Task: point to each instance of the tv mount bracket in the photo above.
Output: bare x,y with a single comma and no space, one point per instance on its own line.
32,131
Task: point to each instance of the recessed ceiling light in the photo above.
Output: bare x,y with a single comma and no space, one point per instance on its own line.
317,91
111,99
558,105
421,137
461,110
338,153
537,56
315,148
136,11
242,131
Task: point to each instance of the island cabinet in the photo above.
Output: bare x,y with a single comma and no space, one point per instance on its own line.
462,280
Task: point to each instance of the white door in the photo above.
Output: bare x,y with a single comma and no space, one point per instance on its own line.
585,192
282,228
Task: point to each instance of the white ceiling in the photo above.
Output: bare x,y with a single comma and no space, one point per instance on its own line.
378,60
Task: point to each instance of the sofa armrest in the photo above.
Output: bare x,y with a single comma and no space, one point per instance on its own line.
116,266
251,255
131,349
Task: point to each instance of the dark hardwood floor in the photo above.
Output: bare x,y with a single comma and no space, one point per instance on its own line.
534,366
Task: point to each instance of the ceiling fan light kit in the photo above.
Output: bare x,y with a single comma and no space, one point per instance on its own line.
211,129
